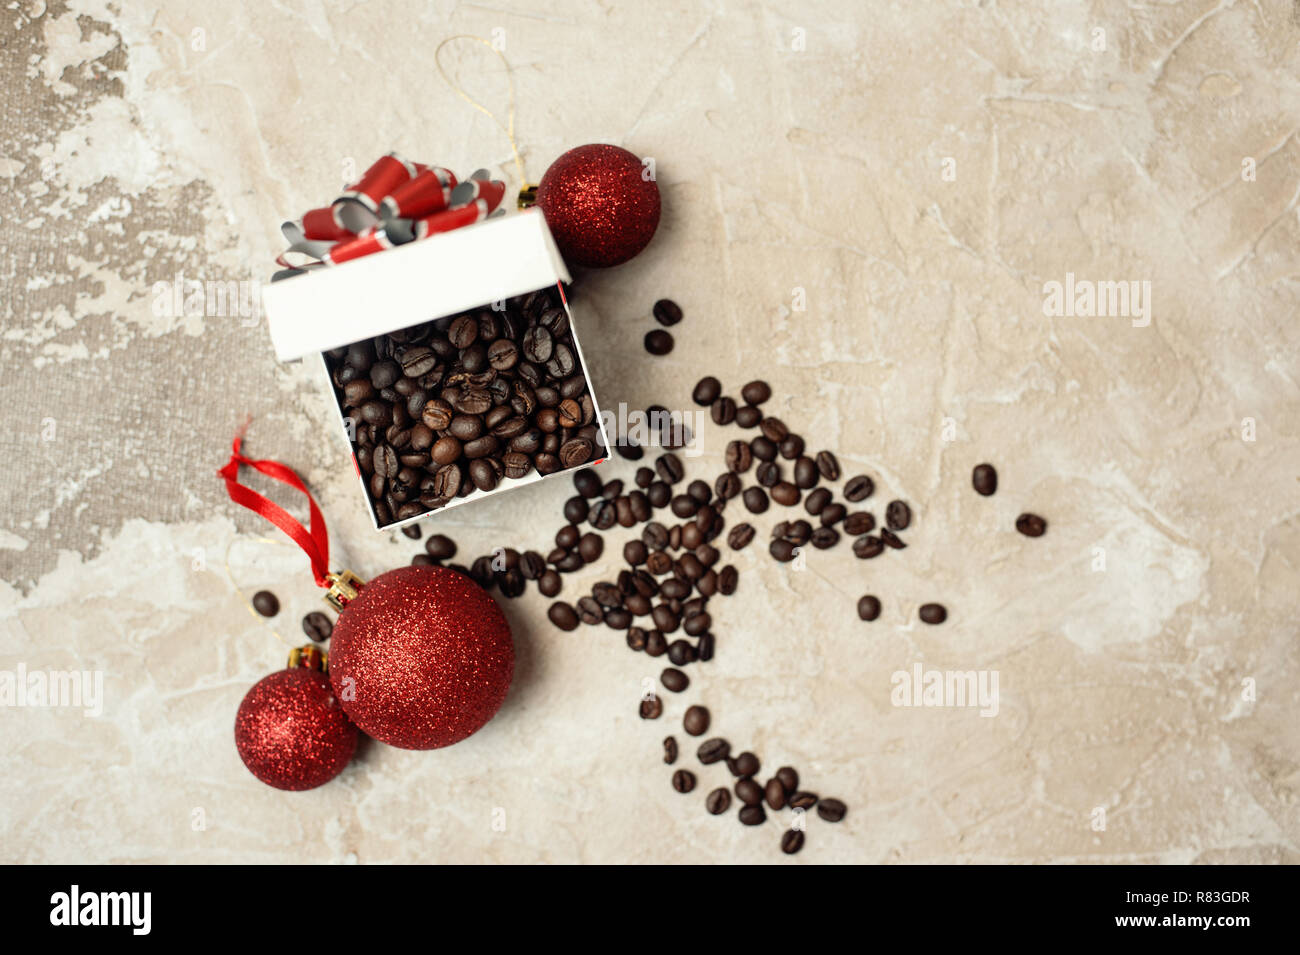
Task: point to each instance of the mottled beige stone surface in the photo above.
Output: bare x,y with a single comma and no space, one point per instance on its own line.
801,150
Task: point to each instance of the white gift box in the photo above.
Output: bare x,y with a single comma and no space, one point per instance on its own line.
446,274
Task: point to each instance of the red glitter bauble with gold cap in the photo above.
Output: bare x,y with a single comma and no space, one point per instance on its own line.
600,203
421,658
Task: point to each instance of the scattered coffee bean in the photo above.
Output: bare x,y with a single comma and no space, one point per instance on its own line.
707,391
802,800
792,841
864,548
753,816
749,792
412,531
658,342
890,539
718,801
984,479
674,680
859,488
712,750
1031,525
740,536
756,392
933,613
563,616
317,626
755,499
774,793
748,416
746,764
683,780
897,516
667,312
670,749
440,547
789,779
832,810
652,708
828,465
266,603
696,720
868,607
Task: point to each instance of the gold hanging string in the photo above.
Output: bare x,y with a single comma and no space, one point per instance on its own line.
248,605
527,190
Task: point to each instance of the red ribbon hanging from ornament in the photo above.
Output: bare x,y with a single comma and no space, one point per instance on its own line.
316,542
393,203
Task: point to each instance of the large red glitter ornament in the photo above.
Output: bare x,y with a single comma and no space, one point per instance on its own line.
291,732
600,203
422,657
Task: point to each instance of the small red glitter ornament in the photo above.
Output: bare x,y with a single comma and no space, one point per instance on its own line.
290,731
421,657
600,203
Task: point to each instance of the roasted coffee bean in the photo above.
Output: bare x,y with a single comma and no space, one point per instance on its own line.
412,531
463,331
563,616
318,626
656,645
727,580
669,467
266,603
748,416
897,516
655,536
697,624
607,595
437,414
828,466
723,410
768,474
674,680
859,488
825,537
984,479
696,719
817,500
774,430
511,583
576,510
684,506
423,560
726,486
537,345
859,523
749,792
659,494
588,483
636,638
756,392
618,618
680,652
603,515
1031,525
864,548
763,448
549,583
440,547
667,312
652,708
383,374
635,553
670,750
792,447
483,474
806,474
933,613
591,546
792,841
789,779
590,611
483,572
575,452
890,539
711,750
802,800
746,764
567,536
738,457
718,801
753,816
868,607
516,465
658,342
774,793
755,499
782,550
785,494
832,810
706,391
833,513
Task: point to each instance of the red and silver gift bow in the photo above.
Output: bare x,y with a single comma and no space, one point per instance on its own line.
395,202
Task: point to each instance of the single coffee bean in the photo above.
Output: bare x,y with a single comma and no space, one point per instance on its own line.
667,312
1031,525
680,652
782,550
749,792
828,466
859,523
604,515
832,810
738,457
833,513
789,779
318,626
727,486
746,764
706,391
723,410
816,501
897,516
266,603
806,474
802,800
891,539
718,801
712,750
683,780
669,467
763,448
755,499
774,793
768,474
549,583
792,841
696,719
984,479
785,494
868,607
658,342
792,447
933,613
706,647
670,750
588,483
656,645
753,816
674,680
563,616
859,488
756,392
749,416
825,537
867,547
727,580
590,611
440,547
652,708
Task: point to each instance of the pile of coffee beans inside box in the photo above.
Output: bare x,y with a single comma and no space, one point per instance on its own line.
659,600
458,404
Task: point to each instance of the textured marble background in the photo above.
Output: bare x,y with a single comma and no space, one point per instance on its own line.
798,146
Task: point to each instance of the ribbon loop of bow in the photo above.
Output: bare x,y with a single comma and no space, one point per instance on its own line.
393,203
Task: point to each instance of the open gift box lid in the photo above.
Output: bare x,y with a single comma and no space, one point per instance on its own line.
447,273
